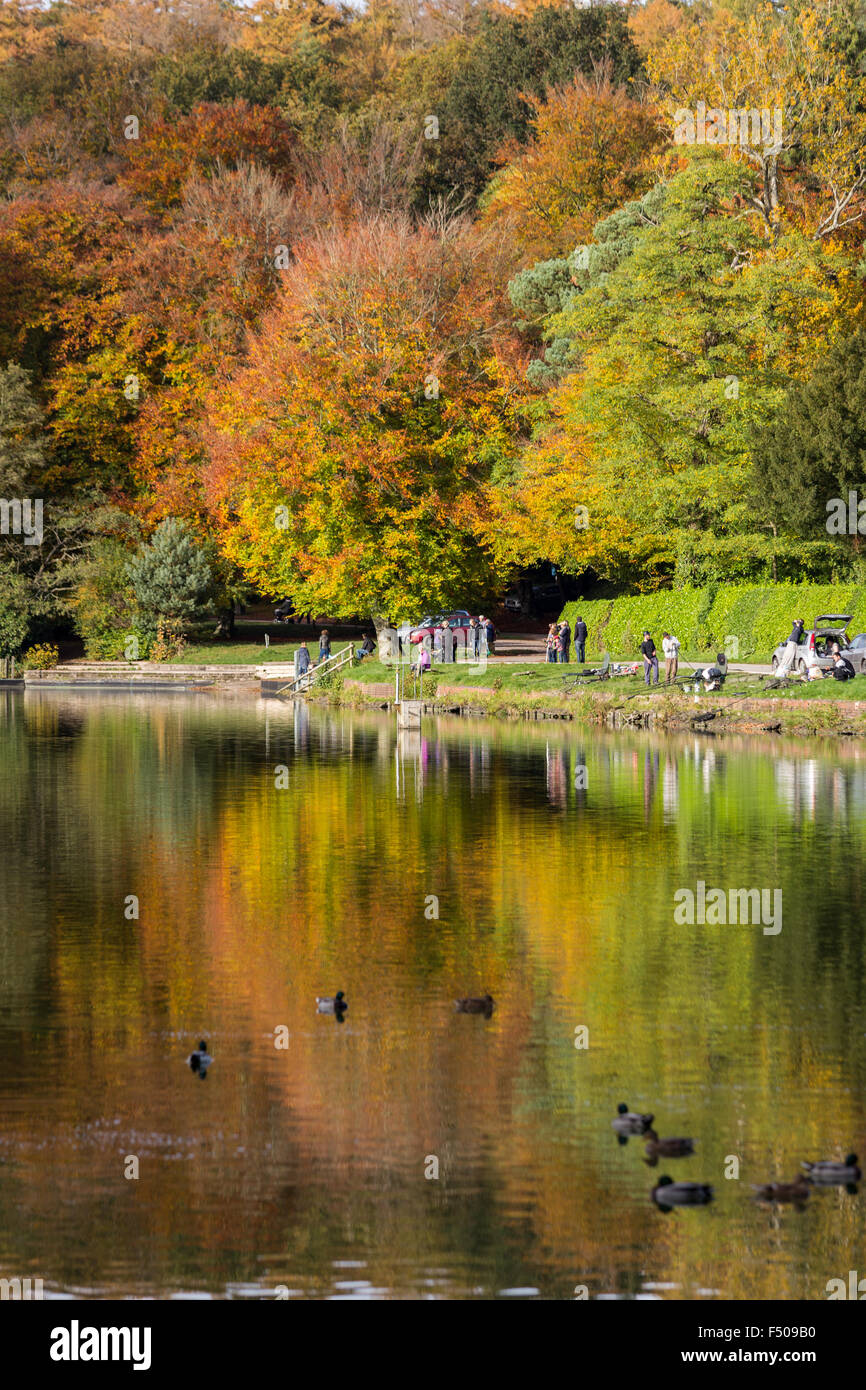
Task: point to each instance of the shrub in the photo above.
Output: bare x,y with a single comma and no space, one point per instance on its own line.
40,658
169,642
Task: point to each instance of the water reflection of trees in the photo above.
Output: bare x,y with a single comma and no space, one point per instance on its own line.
556,898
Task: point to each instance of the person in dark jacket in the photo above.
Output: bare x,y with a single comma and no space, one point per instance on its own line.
474,636
650,659
789,656
367,648
324,644
842,668
491,636
302,659
581,633
565,639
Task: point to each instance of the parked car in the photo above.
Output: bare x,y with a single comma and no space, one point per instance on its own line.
829,628
458,621
856,653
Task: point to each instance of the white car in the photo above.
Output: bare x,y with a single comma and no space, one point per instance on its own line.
829,628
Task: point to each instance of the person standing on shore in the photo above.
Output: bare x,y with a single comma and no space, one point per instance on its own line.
671,649
324,644
650,659
447,642
565,640
789,656
552,642
580,635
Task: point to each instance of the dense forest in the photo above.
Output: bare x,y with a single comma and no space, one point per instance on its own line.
376,307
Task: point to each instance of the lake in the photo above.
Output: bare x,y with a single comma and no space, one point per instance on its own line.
183,867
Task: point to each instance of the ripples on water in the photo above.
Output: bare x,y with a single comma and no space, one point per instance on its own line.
302,1169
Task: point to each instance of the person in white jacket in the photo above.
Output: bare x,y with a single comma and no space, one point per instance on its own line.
671,649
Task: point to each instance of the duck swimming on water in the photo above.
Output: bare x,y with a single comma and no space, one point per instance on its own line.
681,1194
796,1191
200,1060
666,1148
326,1005
827,1170
629,1122
472,1005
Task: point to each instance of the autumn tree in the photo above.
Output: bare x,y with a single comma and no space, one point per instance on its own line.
784,62
685,328
168,150
484,93
589,153
351,460
812,449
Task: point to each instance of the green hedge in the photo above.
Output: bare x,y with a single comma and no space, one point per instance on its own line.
758,616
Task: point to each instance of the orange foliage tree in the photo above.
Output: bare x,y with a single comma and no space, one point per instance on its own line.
351,459
590,154
169,150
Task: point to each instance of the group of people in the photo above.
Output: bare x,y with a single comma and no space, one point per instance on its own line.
671,652
559,641
478,639
303,660
841,670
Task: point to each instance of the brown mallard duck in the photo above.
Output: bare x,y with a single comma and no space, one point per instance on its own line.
665,1148
471,1005
794,1191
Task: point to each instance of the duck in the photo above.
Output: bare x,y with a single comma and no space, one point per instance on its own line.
472,1005
666,1148
668,1193
628,1122
827,1170
794,1191
200,1060
326,1005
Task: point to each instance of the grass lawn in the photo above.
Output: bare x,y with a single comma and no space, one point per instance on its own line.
240,653
520,676
549,679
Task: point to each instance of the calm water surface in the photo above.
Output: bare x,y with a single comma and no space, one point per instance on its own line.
304,1166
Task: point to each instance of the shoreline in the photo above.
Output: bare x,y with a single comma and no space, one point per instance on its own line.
609,703
599,705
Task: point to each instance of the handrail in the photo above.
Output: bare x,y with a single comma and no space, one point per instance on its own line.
309,677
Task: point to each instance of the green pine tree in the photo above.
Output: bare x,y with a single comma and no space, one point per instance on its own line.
170,576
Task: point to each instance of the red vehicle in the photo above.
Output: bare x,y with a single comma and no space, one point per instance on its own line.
458,621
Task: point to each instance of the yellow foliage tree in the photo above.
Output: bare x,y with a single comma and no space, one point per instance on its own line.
716,73
591,153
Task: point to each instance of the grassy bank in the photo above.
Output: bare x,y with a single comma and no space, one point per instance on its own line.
747,702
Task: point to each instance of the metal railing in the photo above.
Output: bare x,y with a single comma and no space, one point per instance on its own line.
308,678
